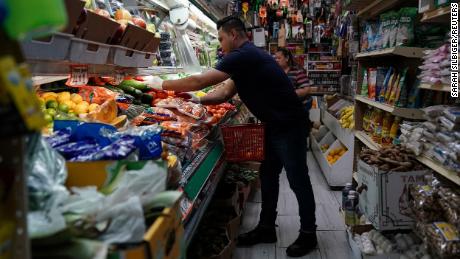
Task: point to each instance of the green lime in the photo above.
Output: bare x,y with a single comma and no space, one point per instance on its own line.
51,112
63,108
52,104
60,116
48,118
72,114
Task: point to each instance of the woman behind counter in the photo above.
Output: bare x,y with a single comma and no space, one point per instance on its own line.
297,75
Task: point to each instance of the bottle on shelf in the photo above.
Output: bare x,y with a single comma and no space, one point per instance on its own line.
350,209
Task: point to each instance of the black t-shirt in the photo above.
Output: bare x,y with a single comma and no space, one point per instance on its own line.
262,85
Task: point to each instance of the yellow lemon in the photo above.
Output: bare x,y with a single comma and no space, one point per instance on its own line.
81,108
48,94
93,107
76,98
64,96
70,104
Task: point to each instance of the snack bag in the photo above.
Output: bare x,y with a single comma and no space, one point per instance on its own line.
372,81
406,35
376,126
394,21
386,128
364,86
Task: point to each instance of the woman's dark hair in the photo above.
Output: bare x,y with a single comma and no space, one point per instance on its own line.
287,54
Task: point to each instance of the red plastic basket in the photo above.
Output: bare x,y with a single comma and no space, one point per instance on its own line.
244,142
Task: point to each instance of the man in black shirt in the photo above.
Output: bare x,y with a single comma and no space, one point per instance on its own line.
269,94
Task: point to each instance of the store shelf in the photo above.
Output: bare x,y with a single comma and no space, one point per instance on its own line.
408,52
323,61
376,7
441,87
452,176
367,140
415,114
40,80
63,68
325,70
441,15
358,4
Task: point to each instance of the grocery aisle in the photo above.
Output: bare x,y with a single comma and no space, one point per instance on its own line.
331,228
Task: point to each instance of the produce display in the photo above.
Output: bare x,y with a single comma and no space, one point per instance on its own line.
335,154
394,158
437,138
347,119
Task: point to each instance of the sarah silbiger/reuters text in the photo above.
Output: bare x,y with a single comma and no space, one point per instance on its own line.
454,49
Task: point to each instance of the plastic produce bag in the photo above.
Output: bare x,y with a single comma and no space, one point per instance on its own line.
47,174
145,182
126,220
45,183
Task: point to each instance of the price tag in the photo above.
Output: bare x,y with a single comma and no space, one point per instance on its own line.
118,77
78,76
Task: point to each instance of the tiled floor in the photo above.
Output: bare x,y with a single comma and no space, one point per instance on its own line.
331,229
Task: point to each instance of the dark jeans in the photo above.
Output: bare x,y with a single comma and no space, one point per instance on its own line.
286,146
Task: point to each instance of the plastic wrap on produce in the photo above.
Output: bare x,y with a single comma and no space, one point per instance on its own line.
148,140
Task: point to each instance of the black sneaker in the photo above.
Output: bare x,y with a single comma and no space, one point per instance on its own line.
305,243
258,235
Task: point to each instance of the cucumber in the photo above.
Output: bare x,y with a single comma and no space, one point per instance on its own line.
135,84
146,98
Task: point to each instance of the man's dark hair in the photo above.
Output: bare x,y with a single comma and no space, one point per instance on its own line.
231,22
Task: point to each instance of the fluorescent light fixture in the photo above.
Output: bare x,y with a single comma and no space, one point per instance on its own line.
203,18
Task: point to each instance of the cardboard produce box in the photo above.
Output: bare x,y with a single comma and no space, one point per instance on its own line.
385,196
232,201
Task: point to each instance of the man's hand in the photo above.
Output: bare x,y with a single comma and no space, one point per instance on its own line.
155,82
196,82
189,97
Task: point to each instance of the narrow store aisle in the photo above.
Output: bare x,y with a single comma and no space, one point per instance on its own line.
331,228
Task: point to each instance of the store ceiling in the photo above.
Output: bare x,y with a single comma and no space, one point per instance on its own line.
215,9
